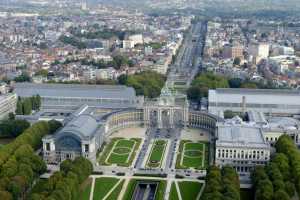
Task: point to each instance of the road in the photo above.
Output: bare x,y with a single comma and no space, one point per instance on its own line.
189,59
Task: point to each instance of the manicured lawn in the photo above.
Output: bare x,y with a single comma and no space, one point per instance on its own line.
85,190
192,155
120,152
107,149
117,159
189,190
173,193
157,153
103,186
115,194
125,143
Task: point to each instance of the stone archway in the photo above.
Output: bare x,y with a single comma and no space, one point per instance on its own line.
153,118
166,119
178,118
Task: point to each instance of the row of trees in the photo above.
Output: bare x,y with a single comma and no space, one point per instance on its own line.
26,105
73,41
13,127
281,177
221,184
19,165
148,83
100,33
24,77
205,81
64,185
117,62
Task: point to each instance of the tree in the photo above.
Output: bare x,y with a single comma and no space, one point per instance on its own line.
13,128
208,81
65,183
282,161
27,107
24,77
17,186
122,79
248,85
228,114
264,190
54,125
258,174
11,116
147,83
19,110
235,82
281,195
237,61
194,93
35,102
42,72
5,195
221,184
18,127
290,188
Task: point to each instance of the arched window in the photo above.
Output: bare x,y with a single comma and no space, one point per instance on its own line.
68,143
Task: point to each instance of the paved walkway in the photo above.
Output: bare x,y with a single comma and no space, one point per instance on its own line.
124,188
201,191
112,189
178,190
92,188
168,190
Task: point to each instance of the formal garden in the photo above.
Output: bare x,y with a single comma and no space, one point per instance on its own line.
120,152
157,153
192,155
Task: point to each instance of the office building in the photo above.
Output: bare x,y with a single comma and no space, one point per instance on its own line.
8,104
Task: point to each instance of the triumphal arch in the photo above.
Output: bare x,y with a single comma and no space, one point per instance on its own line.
169,110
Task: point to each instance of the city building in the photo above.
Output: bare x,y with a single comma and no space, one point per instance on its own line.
80,137
272,102
289,51
72,96
240,146
128,44
233,52
136,39
259,51
8,104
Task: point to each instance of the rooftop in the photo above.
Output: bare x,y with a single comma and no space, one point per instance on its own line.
82,126
230,135
75,91
258,96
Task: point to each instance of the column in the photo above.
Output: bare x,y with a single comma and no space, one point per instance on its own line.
185,116
159,122
172,118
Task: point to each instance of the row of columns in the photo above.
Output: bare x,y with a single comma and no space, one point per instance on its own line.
171,111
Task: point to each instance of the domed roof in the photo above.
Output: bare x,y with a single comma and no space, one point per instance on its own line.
83,126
